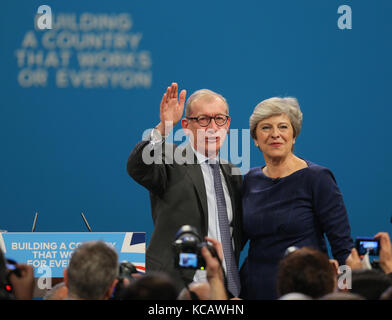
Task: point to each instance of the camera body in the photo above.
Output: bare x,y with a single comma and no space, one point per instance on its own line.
126,269
187,249
367,245
12,267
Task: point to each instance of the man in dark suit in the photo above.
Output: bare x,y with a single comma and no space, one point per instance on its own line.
182,184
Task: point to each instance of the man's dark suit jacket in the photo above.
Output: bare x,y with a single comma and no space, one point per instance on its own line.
178,197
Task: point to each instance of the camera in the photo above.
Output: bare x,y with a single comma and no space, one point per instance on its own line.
367,245
12,268
126,269
187,249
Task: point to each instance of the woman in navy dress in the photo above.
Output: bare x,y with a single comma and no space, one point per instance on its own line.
288,202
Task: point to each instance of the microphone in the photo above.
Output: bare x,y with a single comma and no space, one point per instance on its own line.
276,180
34,222
85,222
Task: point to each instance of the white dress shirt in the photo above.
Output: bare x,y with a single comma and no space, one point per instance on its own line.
213,222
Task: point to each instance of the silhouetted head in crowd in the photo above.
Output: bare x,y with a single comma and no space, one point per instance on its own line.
92,271
342,296
295,296
306,271
202,291
370,284
152,286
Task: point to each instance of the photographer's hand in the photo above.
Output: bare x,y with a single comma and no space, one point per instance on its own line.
385,251
353,260
23,285
214,270
217,246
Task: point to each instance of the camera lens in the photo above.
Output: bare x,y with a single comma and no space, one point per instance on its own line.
187,249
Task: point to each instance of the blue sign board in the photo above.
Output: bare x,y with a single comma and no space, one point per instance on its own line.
54,249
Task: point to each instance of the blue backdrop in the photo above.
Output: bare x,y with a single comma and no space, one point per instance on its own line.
68,120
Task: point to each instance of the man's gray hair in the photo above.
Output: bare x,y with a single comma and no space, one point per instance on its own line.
92,269
276,106
202,93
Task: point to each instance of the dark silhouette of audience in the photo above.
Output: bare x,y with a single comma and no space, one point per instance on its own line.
307,271
304,274
370,284
152,286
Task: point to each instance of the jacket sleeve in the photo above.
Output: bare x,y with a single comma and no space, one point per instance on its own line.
146,166
245,238
332,214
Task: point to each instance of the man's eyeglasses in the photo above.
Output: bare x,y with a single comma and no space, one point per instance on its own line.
204,121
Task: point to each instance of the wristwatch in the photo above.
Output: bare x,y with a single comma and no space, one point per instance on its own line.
155,137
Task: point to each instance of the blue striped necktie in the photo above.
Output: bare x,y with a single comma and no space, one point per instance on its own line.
233,278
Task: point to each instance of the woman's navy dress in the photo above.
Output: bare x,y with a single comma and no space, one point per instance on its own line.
297,210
